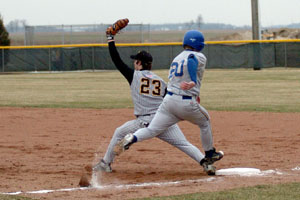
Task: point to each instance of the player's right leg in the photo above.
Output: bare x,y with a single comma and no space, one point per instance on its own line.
211,156
202,119
174,136
198,115
119,134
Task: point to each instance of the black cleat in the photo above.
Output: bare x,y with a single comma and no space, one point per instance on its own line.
212,156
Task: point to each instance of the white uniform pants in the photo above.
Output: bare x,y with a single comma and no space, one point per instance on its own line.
172,135
173,109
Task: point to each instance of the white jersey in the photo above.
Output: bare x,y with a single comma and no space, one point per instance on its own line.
179,73
147,91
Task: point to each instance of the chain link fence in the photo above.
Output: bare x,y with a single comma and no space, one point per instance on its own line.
82,34
96,57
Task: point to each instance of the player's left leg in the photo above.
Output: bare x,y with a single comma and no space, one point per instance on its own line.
158,125
162,120
119,134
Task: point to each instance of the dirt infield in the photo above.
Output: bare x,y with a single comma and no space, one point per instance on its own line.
47,149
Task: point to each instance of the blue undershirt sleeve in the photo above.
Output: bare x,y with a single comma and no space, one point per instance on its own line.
192,67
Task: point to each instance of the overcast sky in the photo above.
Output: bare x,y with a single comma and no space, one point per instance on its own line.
235,12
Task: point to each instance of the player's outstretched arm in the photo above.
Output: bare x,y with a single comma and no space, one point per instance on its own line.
111,31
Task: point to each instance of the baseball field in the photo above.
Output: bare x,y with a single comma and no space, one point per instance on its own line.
52,125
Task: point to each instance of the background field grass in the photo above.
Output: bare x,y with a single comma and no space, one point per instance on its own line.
44,38
275,90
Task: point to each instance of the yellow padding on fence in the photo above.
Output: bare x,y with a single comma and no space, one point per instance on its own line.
146,44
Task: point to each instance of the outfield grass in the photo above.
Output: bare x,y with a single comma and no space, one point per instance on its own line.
65,90
274,90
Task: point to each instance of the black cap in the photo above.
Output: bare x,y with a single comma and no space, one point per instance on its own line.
143,56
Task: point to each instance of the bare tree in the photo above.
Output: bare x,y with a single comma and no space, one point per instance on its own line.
16,25
199,21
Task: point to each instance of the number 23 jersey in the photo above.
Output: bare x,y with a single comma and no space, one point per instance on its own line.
147,91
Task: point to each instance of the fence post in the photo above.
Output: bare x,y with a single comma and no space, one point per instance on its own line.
285,55
257,65
93,57
71,35
3,60
149,40
207,56
49,59
63,34
141,30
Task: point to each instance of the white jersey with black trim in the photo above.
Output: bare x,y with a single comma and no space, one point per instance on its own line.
147,91
179,73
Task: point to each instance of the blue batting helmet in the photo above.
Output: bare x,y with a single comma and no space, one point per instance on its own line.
194,39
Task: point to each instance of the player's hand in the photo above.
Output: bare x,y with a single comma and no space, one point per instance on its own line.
187,85
198,99
111,31
109,36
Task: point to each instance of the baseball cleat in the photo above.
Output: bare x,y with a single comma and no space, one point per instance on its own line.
213,156
102,166
208,168
124,144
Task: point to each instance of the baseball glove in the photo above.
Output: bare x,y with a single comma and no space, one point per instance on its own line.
116,27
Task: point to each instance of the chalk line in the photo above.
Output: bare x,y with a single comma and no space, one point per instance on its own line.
221,172
126,186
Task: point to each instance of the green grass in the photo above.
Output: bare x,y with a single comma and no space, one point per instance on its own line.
65,90
288,191
13,197
272,90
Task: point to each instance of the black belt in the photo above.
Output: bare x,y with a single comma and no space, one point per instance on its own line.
183,97
143,115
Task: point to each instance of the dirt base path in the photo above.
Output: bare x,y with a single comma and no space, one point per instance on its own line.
47,149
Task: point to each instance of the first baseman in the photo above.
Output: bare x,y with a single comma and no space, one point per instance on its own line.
182,101
147,91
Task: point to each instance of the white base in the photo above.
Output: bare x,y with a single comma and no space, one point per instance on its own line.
238,171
